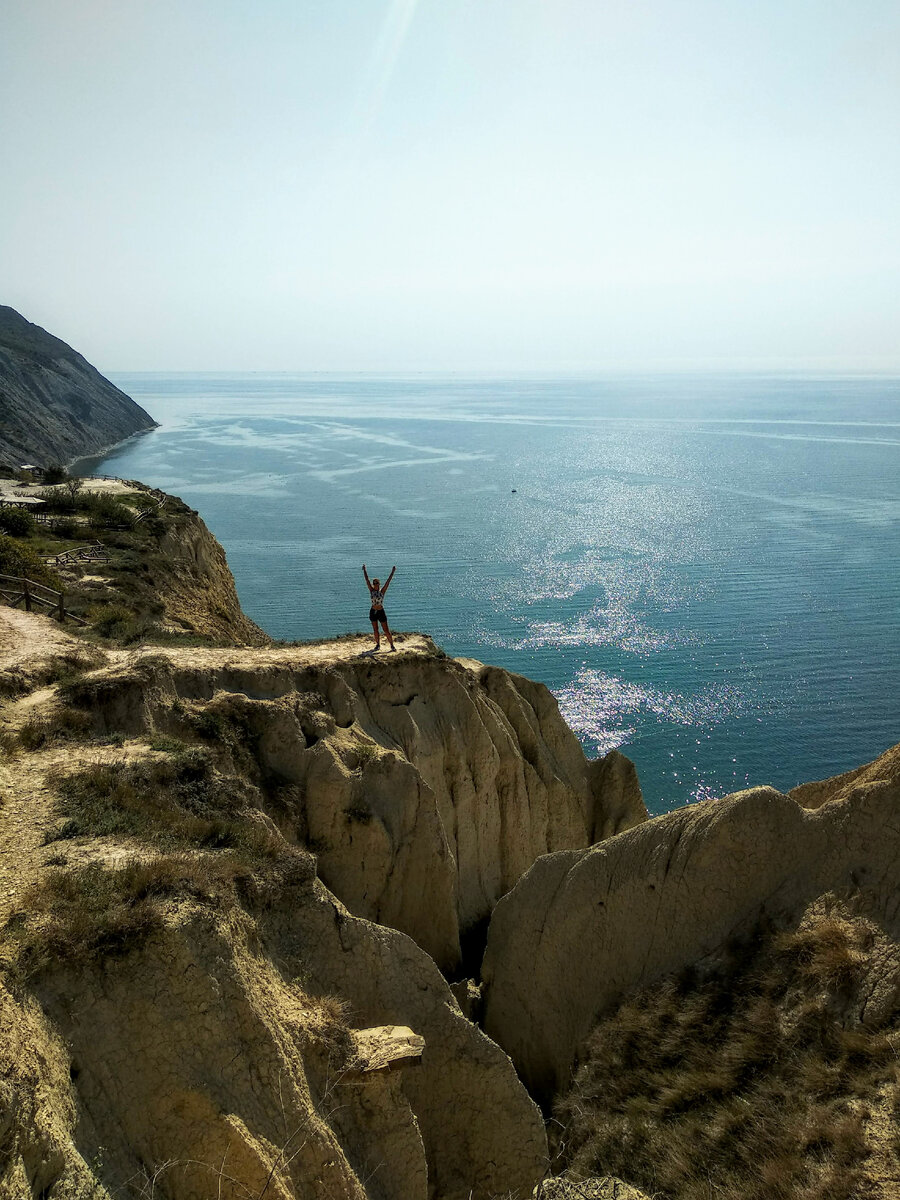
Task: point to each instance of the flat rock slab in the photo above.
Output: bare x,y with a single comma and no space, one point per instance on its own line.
386,1047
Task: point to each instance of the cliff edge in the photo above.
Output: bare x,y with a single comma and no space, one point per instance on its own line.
210,860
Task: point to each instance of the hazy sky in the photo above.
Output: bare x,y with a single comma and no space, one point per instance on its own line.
453,184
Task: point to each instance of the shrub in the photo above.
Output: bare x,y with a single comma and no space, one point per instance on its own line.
22,561
366,752
67,527
359,812
104,511
56,474
109,619
16,521
57,500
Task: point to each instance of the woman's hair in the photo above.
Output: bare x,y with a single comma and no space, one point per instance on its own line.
376,582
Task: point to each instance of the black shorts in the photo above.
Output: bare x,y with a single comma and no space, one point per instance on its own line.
378,614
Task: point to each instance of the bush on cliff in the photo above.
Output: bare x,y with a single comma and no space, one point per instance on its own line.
21,561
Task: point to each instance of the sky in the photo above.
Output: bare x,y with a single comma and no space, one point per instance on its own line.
454,185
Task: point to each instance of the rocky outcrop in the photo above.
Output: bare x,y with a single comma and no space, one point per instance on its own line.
54,406
425,786
584,928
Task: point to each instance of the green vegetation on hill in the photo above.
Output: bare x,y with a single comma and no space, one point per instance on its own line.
22,560
123,600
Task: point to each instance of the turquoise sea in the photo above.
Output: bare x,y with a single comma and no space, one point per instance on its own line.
704,569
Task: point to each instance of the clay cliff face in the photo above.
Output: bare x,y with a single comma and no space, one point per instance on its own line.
614,918
208,1062
194,583
54,406
426,786
194,1018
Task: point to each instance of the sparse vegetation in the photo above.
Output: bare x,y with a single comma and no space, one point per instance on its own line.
359,812
75,916
64,668
9,743
179,802
366,752
206,842
752,1083
172,800
61,724
92,691
21,561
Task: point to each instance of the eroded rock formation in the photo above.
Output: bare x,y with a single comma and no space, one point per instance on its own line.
584,928
218,1059
425,786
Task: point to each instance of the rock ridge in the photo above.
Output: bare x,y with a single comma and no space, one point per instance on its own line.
425,785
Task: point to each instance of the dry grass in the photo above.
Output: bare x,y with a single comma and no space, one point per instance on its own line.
179,802
76,916
175,799
62,724
62,669
749,1084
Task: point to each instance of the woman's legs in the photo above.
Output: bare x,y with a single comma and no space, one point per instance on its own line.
388,632
377,635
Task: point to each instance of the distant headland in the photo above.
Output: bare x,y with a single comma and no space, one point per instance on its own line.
54,406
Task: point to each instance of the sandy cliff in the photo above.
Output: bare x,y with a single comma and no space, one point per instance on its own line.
190,872
195,585
425,786
187,1013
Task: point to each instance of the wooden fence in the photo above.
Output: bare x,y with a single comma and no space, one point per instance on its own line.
15,590
95,553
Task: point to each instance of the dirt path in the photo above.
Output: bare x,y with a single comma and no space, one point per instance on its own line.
25,637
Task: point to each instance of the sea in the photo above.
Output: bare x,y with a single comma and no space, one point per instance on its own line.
703,568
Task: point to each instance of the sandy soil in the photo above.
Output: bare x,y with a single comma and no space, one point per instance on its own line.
341,650
25,637
12,487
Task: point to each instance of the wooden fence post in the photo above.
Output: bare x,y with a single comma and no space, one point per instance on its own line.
26,595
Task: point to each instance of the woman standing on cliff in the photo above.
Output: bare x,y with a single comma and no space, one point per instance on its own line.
376,612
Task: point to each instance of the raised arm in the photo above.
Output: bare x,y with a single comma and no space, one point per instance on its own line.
389,578
366,573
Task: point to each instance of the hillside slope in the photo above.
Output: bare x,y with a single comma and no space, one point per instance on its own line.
54,406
